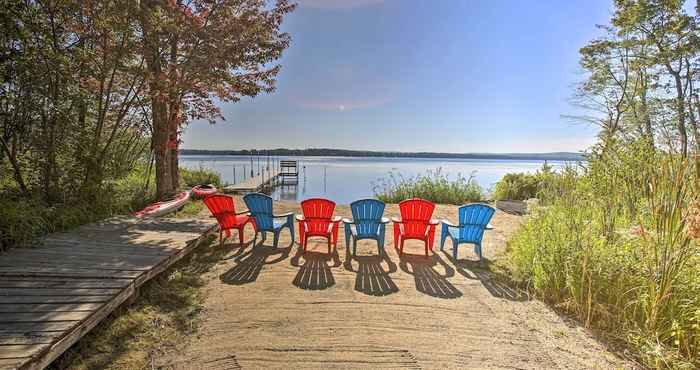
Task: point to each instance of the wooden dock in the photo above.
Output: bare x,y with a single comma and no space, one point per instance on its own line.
53,294
256,183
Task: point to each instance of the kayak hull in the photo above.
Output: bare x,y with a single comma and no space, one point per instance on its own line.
201,191
164,207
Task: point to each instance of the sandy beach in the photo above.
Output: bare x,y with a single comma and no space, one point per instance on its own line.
281,308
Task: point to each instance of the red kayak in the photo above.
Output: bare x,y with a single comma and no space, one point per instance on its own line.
164,207
201,191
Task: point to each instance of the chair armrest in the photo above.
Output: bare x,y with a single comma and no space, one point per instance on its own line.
384,220
242,213
348,221
336,219
283,215
447,222
300,218
396,220
433,221
489,227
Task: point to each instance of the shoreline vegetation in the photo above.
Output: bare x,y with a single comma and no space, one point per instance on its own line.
325,152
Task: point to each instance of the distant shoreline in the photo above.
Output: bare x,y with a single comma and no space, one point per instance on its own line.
322,152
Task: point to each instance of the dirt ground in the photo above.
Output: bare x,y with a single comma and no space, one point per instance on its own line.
281,308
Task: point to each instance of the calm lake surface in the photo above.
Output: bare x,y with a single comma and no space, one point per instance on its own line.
345,179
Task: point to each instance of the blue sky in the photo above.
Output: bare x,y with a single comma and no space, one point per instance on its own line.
414,75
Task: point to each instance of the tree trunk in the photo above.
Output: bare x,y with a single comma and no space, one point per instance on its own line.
159,107
680,111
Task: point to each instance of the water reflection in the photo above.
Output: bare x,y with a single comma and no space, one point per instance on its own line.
344,179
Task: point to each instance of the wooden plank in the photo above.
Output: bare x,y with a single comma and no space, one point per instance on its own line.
81,251
45,255
29,338
43,316
50,271
49,307
41,360
11,363
20,350
84,264
20,292
32,327
54,299
123,248
40,282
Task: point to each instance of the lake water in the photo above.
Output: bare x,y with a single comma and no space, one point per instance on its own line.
345,179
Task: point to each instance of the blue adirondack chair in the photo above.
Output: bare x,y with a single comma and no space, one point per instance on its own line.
260,207
473,220
367,223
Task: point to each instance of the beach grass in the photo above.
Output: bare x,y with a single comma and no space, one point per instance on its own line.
434,186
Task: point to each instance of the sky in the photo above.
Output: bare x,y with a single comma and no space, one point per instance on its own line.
458,76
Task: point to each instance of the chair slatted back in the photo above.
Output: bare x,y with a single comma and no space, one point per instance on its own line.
473,219
415,216
367,215
223,209
318,213
260,207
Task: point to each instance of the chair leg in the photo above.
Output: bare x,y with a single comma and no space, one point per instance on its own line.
380,247
276,238
443,237
347,237
354,247
401,250
291,232
478,251
455,250
255,238
397,236
330,243
221,238
426,248
240,234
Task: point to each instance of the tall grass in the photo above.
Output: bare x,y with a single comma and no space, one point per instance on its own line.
615,247
434,186
523,186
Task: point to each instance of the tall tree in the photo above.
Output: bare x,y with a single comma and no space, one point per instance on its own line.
201,51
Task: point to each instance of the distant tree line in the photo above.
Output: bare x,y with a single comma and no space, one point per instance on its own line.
91,88
325,152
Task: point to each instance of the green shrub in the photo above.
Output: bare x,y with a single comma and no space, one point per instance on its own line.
614,249
433,186
523,186
199,176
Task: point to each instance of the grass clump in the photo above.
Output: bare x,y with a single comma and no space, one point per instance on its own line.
618,248
434,186
166,313
523,186
200,176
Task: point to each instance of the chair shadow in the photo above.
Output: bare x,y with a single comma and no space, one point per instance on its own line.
249,264
476,270
428,280
370,276
315,273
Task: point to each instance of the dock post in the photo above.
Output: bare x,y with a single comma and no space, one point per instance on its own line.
234,173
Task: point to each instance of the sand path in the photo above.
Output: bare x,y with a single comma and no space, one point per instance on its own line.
279,308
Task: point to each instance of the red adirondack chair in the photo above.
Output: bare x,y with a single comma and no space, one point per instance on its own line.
415,223
318,220
223,209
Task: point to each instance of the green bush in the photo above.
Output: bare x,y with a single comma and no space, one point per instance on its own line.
24,219
614,249
433,186
199,176
523,186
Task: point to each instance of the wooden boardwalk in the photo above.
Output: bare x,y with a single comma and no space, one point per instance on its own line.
256,183
53,294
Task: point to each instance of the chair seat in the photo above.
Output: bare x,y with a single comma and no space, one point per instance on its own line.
233,221
279,223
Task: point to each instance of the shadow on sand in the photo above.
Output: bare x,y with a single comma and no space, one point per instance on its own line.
370,276
315,273
428,279
475,270
249,264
